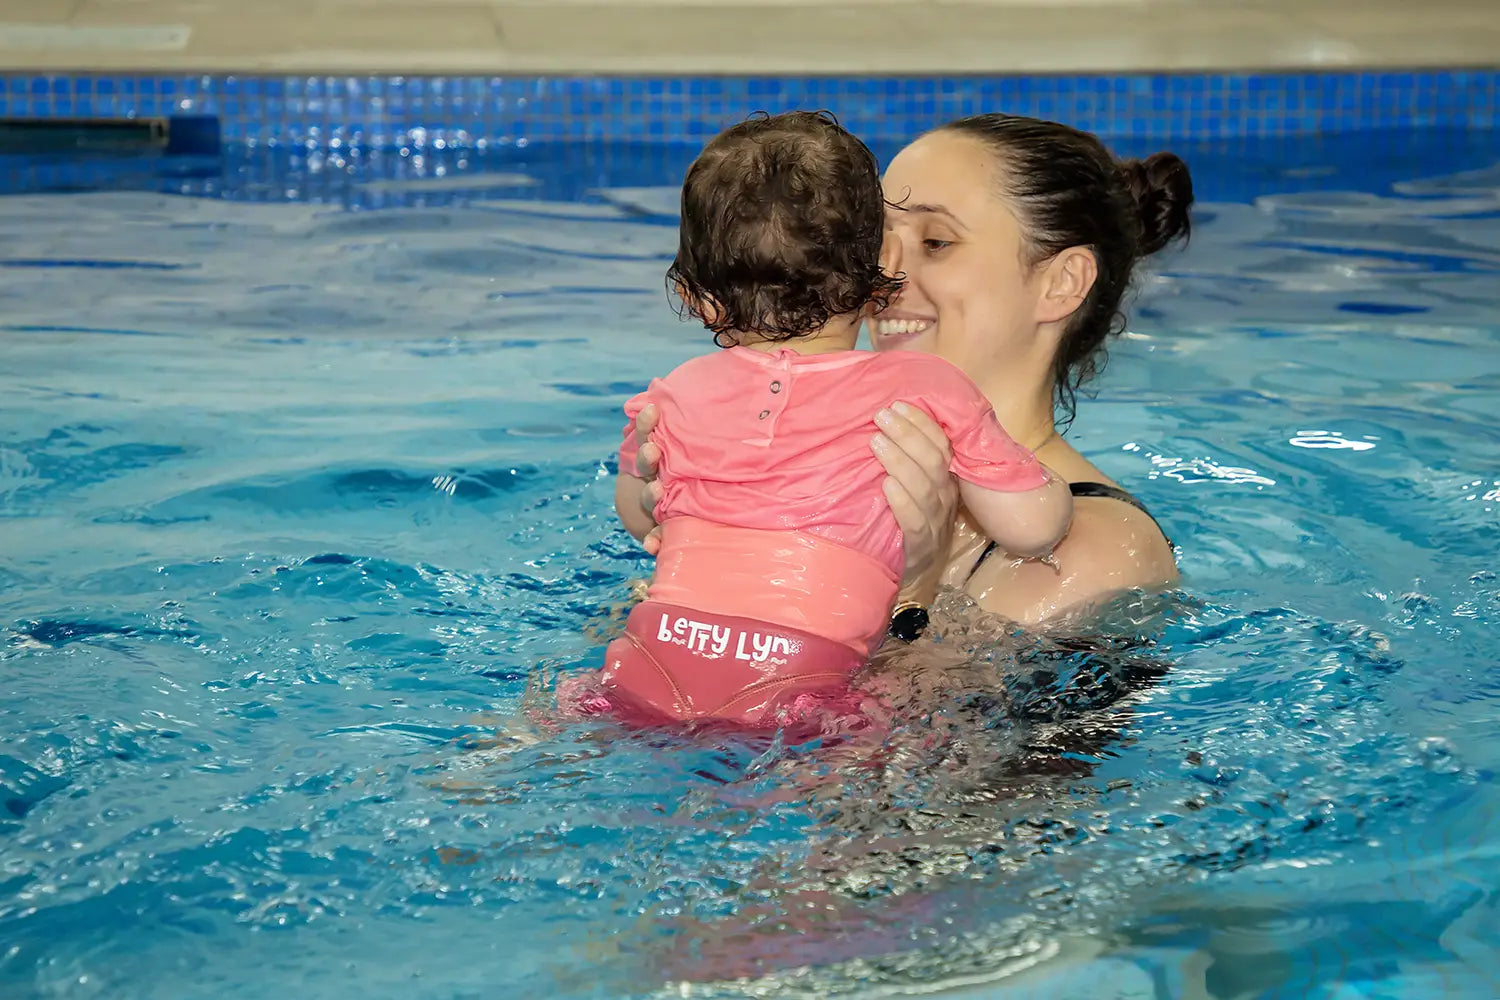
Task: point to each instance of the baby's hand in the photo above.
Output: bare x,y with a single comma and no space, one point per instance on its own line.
647,455
652,542
647,461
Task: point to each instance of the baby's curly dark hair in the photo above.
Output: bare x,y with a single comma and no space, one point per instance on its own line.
782,221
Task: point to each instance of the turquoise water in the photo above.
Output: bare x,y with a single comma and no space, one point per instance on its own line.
303,509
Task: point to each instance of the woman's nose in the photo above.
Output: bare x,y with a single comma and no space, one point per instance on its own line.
890,253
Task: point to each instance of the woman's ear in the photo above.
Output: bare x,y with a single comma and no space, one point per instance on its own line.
1066,282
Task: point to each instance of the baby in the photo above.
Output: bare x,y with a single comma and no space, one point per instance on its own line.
780,558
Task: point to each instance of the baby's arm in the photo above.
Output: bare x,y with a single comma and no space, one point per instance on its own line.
1019,503
1028,523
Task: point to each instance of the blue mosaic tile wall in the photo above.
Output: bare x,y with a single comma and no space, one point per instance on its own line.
1239,170
336,112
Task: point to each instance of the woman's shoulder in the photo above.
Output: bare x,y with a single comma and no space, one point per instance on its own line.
1117,542
1113,546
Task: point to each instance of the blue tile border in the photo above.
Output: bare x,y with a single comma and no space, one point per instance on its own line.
437,112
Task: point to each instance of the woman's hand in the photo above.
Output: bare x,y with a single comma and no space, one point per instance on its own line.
923,495
647,460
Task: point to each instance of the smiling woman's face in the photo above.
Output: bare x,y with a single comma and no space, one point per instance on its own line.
970,295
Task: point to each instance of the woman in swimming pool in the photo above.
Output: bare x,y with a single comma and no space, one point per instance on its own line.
1018,238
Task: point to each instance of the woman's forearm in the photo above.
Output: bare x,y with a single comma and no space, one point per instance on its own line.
628,506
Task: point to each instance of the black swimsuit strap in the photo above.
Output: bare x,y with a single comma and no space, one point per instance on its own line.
1109,493
1103,490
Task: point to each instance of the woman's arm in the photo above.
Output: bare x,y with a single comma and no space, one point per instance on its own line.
632,507
636,491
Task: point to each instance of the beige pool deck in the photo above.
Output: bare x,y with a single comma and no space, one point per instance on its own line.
883,37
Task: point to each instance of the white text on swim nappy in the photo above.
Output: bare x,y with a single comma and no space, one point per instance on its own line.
714,640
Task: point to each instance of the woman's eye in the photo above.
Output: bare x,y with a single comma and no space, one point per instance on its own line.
934,245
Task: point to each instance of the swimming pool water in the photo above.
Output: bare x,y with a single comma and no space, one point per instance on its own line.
305,503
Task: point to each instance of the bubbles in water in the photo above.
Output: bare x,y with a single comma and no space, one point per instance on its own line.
1439,755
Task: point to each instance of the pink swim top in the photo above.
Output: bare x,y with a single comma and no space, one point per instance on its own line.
771,505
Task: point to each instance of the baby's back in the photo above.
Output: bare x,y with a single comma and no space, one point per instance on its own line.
782,442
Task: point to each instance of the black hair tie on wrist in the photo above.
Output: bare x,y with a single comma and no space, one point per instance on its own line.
908,621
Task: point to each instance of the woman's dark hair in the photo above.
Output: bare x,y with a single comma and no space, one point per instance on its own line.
1069,191
782,223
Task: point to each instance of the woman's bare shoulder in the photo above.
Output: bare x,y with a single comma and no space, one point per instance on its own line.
1111,547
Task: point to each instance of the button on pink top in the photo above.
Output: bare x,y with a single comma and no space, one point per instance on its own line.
782,441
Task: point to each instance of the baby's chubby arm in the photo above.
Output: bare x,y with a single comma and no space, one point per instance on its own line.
1024,507
1028,523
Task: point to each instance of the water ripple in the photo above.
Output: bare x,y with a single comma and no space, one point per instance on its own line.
286,608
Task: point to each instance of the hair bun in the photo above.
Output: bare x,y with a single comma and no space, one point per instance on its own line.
1163,192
